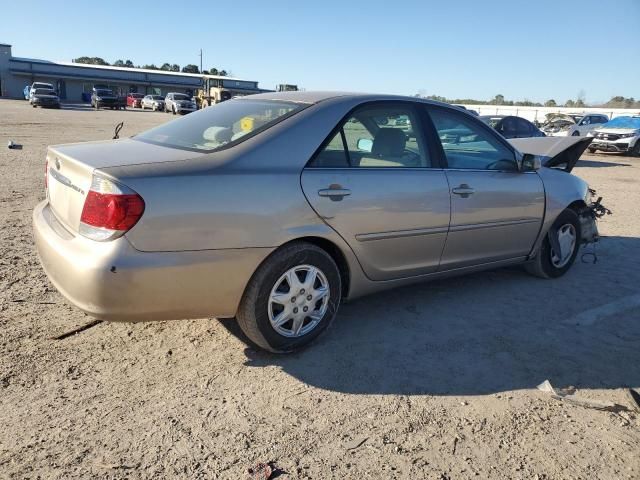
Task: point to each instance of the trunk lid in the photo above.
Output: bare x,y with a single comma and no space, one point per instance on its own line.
71,167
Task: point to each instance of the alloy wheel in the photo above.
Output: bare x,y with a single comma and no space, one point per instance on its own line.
298,301
567,241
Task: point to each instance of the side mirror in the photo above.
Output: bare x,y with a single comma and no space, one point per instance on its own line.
531,163
365,144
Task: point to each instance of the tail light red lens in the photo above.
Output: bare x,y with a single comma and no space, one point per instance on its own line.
110,210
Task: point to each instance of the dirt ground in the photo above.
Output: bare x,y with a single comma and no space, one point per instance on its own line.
434,381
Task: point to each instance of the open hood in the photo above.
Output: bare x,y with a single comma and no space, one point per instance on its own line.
554,117
554,152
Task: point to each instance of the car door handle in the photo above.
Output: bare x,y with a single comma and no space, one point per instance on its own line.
334,192
463,190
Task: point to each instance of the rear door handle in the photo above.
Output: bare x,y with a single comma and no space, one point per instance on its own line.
463,190
335,192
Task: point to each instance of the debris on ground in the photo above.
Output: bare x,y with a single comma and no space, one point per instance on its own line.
357,443
634,397
77,330
567,397
14,146
265,471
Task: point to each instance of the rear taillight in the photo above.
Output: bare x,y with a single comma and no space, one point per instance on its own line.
110,210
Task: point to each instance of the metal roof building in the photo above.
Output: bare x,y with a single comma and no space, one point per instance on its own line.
74,81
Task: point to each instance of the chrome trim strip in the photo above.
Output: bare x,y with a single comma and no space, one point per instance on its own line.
477,226
64,180
367,237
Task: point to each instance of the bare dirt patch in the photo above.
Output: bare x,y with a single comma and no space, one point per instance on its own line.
433,381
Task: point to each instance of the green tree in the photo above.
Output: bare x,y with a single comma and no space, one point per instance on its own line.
570,103
498,99
213,71
166,66
91,60
550,103
150,67
222,73
118,63
175,67
190,69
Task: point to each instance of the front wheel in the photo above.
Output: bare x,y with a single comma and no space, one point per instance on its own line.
575,134
559,247
173,110
291,299
592,150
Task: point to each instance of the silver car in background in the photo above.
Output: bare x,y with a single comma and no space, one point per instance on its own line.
153,102
179,103
273,208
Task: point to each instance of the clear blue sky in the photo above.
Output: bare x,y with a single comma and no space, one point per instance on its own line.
535,49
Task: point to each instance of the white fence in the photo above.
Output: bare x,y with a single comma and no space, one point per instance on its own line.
538,113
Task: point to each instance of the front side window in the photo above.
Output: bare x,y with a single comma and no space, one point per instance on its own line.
221,125
524,127
468,145
376,136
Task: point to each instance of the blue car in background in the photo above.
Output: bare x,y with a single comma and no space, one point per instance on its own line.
25,92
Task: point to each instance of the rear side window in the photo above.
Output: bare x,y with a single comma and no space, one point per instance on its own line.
220,126
376,136
467,144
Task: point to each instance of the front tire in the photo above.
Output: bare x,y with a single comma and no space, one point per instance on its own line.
551,264
291,299
592,150
575,134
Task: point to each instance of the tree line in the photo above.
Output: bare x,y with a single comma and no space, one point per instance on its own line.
615,102
168,67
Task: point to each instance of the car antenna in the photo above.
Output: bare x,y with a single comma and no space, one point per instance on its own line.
117,132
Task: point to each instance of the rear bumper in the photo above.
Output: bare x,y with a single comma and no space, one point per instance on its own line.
114,281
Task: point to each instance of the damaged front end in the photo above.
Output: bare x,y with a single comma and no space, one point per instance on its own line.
589,215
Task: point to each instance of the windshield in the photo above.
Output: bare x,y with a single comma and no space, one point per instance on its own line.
179,96
136,95
623,122
157,97
221,125
42,85
103,92
44,91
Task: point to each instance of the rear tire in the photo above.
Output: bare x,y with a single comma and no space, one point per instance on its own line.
592,150
261,314
549,265
636,149
575,134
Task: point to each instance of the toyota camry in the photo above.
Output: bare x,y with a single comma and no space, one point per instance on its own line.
274,208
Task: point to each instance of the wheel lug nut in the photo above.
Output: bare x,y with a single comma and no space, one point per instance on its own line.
309,297
295,310
293,299
305,309
301,291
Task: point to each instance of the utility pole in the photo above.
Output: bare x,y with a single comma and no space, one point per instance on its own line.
200,60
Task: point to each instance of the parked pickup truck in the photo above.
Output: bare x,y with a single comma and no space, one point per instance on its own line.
105,98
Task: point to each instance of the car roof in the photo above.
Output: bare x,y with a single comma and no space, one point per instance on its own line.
311,97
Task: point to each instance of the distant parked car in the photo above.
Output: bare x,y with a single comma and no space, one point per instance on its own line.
179,103
154,102
134,100
44,97
511,126
36,85
622,134
572,124
105,98
25,92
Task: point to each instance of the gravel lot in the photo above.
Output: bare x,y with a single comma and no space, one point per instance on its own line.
433,381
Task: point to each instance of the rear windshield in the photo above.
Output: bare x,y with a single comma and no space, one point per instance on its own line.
157,97
623,122
44,91
104,92
221,125
180,96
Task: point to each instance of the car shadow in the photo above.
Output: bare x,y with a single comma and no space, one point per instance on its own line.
483,333
599,163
